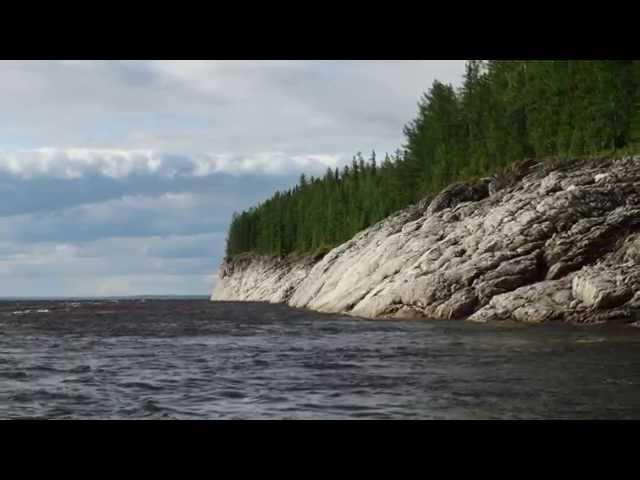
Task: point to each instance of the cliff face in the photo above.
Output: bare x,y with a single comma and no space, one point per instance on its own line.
554,245
260,279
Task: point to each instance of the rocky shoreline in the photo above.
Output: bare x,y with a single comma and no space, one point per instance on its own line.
547,244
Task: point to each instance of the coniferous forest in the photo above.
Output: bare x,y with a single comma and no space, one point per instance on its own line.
505,111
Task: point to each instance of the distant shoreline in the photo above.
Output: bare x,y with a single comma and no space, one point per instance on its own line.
115,297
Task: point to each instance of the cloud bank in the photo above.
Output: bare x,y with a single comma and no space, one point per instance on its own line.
75,163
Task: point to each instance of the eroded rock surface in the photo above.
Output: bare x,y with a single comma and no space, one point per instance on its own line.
561,245
260,279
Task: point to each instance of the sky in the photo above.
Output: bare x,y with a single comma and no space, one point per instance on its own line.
120,177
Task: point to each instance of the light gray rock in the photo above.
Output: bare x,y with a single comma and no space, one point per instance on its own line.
264,279
601,286
560,245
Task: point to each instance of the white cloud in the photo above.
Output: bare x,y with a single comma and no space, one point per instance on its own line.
114,266
215,107
273,163
74,163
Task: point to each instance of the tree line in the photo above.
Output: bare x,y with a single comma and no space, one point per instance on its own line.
504,111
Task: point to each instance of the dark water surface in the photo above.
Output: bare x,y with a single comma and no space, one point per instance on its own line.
194,359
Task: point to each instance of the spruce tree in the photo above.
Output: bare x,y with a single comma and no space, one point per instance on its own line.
504,111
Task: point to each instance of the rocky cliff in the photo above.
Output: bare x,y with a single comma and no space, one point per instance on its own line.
545,244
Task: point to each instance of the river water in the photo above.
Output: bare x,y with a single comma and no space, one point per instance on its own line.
195,359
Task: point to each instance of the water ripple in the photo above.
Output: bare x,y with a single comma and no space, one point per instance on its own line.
179,359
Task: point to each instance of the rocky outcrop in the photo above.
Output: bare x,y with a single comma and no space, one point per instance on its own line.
552,245
260,278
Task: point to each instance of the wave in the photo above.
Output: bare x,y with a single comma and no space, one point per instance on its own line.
27,311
